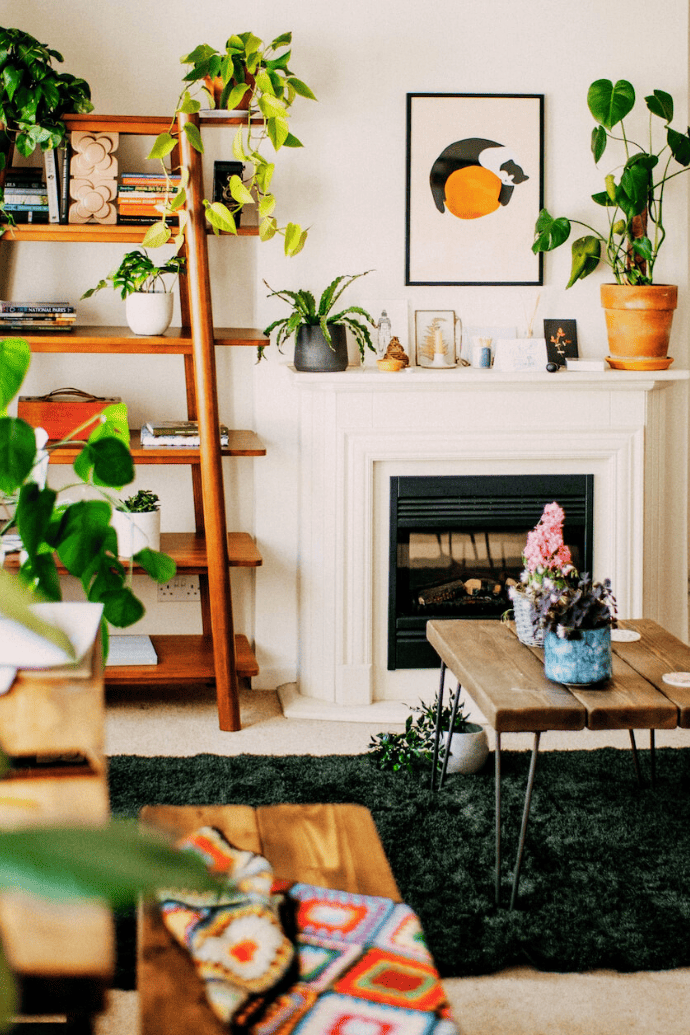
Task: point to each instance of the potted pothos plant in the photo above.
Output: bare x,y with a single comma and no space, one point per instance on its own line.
412,749
141,283
79,534
639,312
247,74
321,334
137,521
34,96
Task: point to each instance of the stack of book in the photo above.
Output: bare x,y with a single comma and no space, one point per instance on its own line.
140,196
26,197
42,317
177,433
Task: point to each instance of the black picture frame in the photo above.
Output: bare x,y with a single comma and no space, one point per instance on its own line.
561,341
474,188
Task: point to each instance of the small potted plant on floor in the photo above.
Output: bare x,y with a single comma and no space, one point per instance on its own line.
638,311
577,615
545,557
412,750
140,281
320,334
137,521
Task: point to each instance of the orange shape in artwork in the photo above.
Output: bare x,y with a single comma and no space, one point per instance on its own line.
472,192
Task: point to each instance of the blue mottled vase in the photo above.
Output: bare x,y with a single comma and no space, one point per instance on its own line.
583,661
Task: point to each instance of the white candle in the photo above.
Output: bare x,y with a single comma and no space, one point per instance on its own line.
438,341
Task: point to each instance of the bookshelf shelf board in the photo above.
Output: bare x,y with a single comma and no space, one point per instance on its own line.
240,443
146,125
188,550
181,659
176,340
83,232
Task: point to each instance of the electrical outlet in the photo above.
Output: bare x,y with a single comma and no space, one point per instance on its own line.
183,588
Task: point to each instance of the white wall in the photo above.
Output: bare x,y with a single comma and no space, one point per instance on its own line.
348,184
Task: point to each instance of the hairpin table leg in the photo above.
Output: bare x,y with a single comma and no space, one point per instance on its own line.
635,758
437,732
497,761
652,756
525,818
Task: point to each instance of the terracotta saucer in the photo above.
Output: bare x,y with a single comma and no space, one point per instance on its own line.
640,364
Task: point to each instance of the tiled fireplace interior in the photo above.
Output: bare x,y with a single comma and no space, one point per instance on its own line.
360,429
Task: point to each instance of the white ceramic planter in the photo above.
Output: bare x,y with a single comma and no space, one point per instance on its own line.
149,312
136,531
468,751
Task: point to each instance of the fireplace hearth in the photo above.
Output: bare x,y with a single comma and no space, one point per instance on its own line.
456,547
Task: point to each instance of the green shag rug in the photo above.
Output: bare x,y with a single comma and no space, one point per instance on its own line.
605,879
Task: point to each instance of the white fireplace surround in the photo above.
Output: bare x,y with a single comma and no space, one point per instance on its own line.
361,427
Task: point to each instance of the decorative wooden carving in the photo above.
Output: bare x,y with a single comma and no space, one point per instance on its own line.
93,182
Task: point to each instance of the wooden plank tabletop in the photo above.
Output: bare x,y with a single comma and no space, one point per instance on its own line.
655,653
504,678
334,846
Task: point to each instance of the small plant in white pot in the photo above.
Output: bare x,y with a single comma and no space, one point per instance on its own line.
137,521
141,283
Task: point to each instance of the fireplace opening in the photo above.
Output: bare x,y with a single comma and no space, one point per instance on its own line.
456,545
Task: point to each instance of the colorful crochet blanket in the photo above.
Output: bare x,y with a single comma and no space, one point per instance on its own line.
352,964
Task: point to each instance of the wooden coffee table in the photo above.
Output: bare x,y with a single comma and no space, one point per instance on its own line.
506,681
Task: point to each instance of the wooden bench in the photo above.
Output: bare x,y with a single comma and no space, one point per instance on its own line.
333,846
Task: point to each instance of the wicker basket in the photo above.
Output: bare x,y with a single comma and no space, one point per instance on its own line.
522,610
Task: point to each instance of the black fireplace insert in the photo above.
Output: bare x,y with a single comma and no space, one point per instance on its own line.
456,546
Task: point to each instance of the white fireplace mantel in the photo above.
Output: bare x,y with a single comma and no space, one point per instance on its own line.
360,427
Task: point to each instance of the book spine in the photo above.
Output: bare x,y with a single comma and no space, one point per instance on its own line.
52,187
11,198
64,182
26,208
13,183
29,308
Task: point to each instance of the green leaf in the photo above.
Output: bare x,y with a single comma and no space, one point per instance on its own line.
121,608
158,565
267,205
550,232
113,423
633,191
157,235
293,233
586,252
193,135
599,141
278,132
15,357
301,88
661,104
608,103
40,572
239,192
267,228
292,141
611,188
238,146
110,459
643,247
34,510
189,105
220,216
17,452
162,146
234,97
81,534
116,862
679,143
271,107
603,199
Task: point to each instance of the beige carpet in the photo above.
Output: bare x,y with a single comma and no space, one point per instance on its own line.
517,1001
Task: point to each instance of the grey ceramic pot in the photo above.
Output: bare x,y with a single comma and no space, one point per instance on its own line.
314,355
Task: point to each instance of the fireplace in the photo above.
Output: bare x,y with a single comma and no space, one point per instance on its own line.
456,545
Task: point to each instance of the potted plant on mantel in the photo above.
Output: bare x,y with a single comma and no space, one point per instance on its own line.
320,334
639,313
252,76
34,97
148,303
577,618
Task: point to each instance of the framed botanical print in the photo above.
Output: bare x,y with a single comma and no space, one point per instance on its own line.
434,334
561,340
474,188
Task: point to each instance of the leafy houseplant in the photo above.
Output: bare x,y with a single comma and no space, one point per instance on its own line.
140,281
142,502
634,204
79,533
137,521
577,618
34,96
253,75
321,342
412,750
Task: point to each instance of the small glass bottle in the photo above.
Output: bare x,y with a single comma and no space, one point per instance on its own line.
384,334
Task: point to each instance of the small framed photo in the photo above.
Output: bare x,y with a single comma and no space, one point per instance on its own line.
434,338
514,354
561,340
222,172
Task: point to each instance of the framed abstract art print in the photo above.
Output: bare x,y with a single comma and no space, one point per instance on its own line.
474,188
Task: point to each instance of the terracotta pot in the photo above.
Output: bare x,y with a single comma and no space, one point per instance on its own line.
215,87
638,322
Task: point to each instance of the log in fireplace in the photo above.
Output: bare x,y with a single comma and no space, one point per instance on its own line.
456,545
